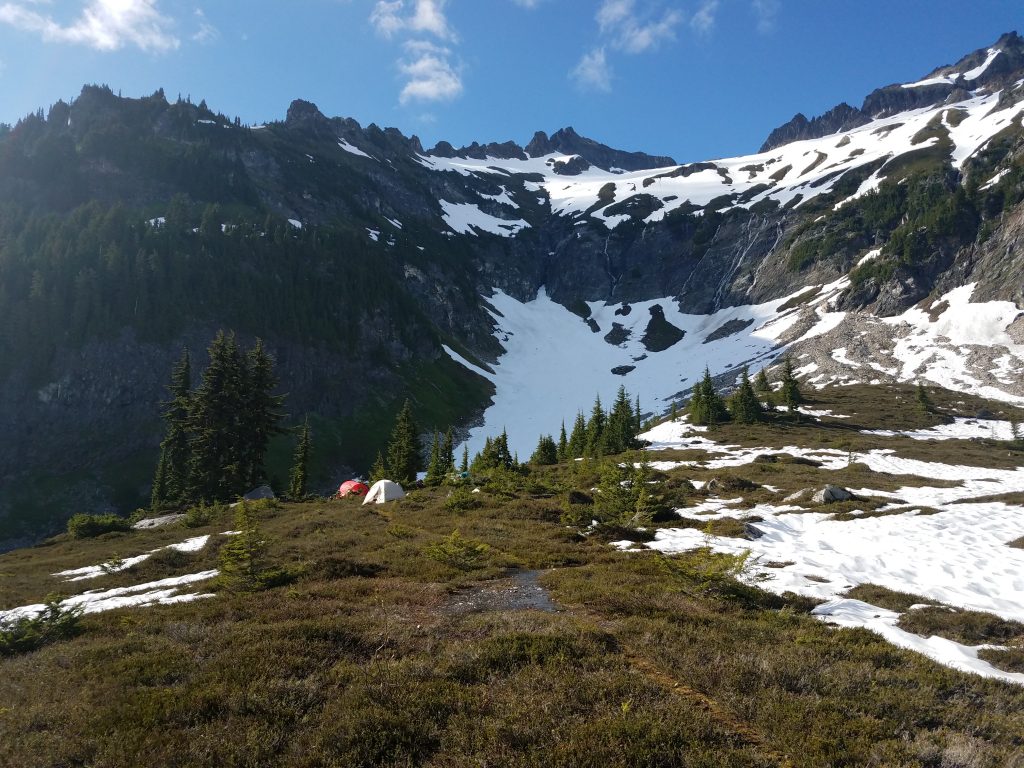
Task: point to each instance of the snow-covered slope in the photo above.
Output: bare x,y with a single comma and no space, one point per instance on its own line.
789,175
555,362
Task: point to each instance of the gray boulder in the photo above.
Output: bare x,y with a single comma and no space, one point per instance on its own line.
830,494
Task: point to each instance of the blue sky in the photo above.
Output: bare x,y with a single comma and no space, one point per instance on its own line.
695,79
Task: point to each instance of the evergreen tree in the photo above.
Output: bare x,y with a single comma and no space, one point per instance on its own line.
379,470
435,468
297,485
578,438
546,452
638,424
595,428
261,414
158,496
218,460
448,453
744,405
790,392
619,431
761,385
243,556
562,451
706,406
464,466
924,401
172,486
403,454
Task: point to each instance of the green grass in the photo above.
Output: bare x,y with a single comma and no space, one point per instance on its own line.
360,660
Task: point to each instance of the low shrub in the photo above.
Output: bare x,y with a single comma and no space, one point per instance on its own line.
460,499
32,632
201,515
459,552
83,526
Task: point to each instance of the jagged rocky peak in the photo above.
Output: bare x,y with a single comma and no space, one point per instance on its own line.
842,117
568,142
986,70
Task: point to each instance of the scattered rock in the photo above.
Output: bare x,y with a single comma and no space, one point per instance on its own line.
830,494
156,522
263,492
798,496
622,370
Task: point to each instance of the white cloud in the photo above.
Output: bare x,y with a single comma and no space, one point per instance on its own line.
429,72
207,33
613,12
427,16
703,21
528,3
637,38
766,12
106,25
593,73
631,32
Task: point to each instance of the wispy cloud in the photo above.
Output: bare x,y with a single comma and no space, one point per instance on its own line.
703,21
207,33
528,3
390,17
430,70
624,28
105,25
767,12
592,73
633,32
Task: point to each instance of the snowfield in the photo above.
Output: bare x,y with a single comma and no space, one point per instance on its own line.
554,363
957,556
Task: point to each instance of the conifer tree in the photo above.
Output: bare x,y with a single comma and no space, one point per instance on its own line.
924,401
172,487
744,405
546,452
261,414
562,451
595,428
297,484
706,406
464,466
638,424
379,470
790,391
448,453
218,460
618,430
158,495
435,468
761,385
578,438
243,556
403,454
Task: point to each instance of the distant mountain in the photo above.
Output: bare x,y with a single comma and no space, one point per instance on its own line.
377,270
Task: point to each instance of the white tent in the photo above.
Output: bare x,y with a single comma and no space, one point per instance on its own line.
382,491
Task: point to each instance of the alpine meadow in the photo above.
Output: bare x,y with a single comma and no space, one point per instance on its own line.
321,446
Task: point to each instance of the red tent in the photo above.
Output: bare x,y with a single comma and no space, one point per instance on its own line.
353,488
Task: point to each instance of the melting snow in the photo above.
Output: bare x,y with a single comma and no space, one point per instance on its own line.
352,148
164,591
554,363
958,555
466,218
